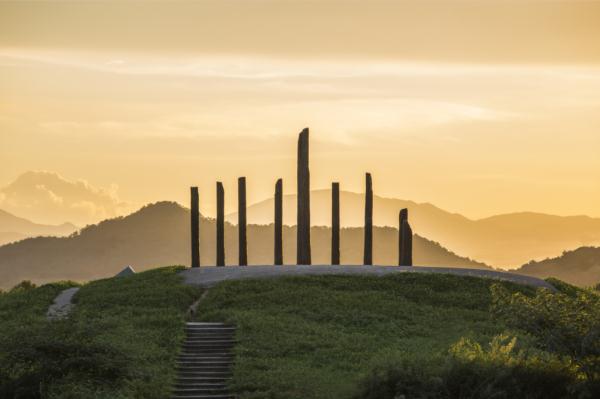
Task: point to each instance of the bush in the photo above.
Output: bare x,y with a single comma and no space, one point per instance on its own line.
24,285
557,354
471,371
565,324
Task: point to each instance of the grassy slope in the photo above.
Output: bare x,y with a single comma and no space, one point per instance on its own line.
314,337
120,342
21,313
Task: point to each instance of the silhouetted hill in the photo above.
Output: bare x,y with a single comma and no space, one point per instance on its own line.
502,241
579,267
158,234
13,228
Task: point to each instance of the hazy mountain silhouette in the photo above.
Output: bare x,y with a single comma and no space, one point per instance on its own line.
13,228
50,198
502,241
580,267
158,235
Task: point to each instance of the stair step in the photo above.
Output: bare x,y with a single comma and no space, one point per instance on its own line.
204,365
206,385
203,396
200,390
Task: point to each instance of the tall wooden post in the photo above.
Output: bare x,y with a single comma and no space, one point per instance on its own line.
303,254
401,232
368,251
195,227
407,244
278,222
220,225
335,223
404,240
243,244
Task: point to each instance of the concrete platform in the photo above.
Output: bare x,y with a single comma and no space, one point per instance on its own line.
207,276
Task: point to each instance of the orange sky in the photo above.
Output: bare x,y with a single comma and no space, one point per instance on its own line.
480,107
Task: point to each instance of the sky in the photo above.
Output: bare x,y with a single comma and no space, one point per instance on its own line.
480,107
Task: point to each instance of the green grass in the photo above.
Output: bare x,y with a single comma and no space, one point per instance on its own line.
120,341
316,337
306,337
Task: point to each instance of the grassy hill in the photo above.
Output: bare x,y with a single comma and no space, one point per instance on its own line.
121,340
343,337
158,234
580,267
507,240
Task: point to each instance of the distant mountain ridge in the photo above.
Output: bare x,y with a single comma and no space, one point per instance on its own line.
158,235
505,241
14,228
579,267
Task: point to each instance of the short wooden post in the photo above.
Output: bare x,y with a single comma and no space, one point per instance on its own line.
195,227
368,251
220,225
303,253
401,218
335,223
278,255
243,244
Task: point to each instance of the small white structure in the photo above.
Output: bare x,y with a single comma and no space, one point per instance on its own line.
128,271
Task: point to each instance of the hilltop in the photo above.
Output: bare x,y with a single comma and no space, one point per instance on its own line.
505,241
580,267
158,234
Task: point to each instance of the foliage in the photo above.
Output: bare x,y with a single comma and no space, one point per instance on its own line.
120,341
501,370
23,286
313,337
567,324
22,316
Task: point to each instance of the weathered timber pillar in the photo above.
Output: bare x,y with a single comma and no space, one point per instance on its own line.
368,251
195,227
278,260
401,218
405,240
220,225
303,255
335,223
243,243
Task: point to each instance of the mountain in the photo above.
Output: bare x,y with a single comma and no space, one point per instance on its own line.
158,234
505,241
50,198
13,228
579,267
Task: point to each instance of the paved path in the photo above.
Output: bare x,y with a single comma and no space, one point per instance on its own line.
62,304
209,276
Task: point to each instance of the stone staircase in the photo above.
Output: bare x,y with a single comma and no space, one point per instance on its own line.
204,364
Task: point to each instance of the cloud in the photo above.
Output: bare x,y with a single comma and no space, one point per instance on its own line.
47,197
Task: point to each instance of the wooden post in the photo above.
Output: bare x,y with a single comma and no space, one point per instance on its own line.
407,258
335,223
220,225
404,240
243,244
303,253
401,218
195,227
278,222
368,251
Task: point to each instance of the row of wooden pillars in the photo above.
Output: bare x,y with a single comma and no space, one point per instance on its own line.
303,248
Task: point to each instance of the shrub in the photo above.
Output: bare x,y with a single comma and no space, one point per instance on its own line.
565,324
24,285
471,371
